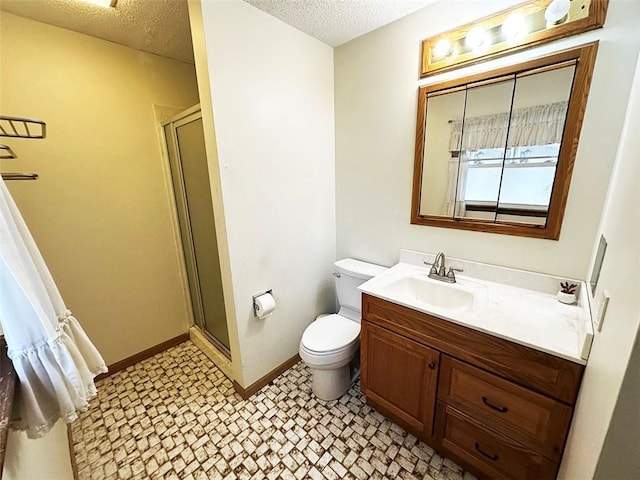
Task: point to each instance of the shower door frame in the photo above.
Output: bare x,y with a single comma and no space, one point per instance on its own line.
193,280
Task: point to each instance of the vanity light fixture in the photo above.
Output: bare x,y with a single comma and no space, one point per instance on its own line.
524,26
102,3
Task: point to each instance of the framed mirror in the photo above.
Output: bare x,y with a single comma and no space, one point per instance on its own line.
495,151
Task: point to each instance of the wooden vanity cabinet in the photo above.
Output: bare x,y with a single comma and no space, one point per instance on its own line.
500,409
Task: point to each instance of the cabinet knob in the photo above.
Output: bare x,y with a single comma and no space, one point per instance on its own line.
432,365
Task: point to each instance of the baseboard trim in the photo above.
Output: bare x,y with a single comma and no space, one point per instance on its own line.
246,393
149,352
72,453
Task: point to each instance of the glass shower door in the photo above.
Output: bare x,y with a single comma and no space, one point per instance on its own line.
190,177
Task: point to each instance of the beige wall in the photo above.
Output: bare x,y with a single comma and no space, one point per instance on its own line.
101,210
272,94
376,82
613,346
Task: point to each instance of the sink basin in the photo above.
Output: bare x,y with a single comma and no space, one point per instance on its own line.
424,290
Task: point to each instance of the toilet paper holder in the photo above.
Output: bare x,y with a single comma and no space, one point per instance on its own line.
253,298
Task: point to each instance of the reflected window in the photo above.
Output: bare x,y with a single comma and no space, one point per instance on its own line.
508,160
527,179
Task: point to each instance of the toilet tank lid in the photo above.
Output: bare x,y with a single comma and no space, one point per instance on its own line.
358,269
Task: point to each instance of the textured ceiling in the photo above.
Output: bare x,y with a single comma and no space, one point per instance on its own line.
155,26
162,26
335,22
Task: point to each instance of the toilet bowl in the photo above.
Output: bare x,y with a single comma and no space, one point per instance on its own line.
330,345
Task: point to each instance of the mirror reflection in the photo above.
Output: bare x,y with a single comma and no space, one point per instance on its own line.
483,131
441,159
537,123
491,148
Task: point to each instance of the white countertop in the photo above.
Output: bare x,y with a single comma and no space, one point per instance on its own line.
531,317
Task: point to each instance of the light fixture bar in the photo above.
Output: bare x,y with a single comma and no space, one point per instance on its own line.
524,26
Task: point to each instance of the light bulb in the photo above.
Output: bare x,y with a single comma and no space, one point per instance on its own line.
442,48
514,27
557,12
477,39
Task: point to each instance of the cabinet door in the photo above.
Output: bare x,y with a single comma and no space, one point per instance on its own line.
400,377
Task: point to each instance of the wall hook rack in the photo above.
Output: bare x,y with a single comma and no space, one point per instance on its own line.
15,127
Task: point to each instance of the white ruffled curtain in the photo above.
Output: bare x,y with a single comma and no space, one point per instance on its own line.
536,125
55,361
456,186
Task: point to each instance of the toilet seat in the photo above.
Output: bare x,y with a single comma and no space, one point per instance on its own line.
330,335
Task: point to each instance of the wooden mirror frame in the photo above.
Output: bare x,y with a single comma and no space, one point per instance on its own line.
595,18
584,58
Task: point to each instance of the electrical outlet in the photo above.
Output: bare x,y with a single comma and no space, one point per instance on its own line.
602,309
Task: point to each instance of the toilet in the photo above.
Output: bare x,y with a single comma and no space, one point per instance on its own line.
330,345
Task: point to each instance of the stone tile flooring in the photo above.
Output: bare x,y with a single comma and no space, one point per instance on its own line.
176,416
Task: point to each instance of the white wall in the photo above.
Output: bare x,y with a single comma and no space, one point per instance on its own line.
101,211
233,369
376,82
272,94
43,458
612,347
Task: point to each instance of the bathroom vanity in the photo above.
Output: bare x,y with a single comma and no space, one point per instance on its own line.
487,387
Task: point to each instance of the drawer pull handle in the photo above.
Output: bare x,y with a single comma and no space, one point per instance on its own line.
490,405
432,365
493,457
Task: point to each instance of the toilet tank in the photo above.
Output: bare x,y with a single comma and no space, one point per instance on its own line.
350,274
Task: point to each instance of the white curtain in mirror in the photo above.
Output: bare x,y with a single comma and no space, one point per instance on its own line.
536,125
456,188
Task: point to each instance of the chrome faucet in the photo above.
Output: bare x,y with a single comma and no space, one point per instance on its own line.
438,270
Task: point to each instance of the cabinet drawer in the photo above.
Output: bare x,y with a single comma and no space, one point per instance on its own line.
489,452
533,419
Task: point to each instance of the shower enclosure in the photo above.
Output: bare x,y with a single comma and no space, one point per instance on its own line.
184,137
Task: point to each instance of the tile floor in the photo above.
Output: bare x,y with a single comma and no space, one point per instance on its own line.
176,416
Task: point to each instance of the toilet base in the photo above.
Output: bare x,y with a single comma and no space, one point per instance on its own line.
331,384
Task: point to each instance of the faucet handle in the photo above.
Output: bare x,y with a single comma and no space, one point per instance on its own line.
433,269
451,274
